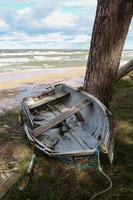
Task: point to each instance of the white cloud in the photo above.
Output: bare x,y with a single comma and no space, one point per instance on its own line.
54,37
22,13
60,19
79,3
80,39
49,24
37,38
46,16
3,26
50,40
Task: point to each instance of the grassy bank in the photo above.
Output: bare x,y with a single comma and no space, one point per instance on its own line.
53,180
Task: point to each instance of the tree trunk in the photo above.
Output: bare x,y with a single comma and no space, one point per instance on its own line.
111,26
125,69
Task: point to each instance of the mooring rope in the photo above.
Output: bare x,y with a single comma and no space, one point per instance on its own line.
104,174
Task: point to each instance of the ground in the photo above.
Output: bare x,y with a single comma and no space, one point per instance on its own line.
54,180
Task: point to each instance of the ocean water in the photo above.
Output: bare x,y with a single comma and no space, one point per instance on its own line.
31,60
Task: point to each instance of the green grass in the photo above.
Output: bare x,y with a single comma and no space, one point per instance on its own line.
53,180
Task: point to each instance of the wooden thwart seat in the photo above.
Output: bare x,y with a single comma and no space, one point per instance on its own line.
49,99
75,109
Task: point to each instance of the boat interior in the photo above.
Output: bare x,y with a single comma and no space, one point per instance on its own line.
66,120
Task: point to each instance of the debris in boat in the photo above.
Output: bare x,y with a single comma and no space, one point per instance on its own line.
66,122
26,179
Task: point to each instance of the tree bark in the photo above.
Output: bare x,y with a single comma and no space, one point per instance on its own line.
124,70
111,26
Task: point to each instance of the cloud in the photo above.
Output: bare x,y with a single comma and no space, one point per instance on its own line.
45,41
44,8
23,13
80,39
48,23
80,3
46,16
3,26
59,19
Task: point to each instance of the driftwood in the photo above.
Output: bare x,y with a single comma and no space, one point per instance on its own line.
124,70
25,181
8,170
6,185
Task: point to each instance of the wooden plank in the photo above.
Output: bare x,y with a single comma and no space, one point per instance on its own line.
79,117
60,118
26,179
8,183
48,99
83,152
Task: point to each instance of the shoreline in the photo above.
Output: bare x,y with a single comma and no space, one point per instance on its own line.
14,86
10,80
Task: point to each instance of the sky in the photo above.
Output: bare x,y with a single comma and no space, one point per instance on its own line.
49,24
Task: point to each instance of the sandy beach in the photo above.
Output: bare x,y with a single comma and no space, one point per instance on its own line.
10,80
14,86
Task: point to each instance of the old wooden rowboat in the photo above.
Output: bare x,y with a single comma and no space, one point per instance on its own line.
64,121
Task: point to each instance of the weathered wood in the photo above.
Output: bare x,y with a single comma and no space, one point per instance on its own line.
8,183
27,111
48,99
60,118
26,179
110,29
124,70
76,139
20,118
78,153
29,170
79,140
79,117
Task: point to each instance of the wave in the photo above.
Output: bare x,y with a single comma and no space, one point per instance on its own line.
41,52
14,60
58,58
26,68
3,54
45,59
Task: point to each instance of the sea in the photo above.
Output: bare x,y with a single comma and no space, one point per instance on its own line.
38,59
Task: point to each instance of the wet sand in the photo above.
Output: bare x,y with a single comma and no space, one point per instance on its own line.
17,79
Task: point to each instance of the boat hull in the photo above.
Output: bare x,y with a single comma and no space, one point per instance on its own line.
64,121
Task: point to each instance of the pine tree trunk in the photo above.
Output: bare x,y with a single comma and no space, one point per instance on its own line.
111,26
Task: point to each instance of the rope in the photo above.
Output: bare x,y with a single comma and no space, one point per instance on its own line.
104,174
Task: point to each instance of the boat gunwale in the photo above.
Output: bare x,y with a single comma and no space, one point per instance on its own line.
94,100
